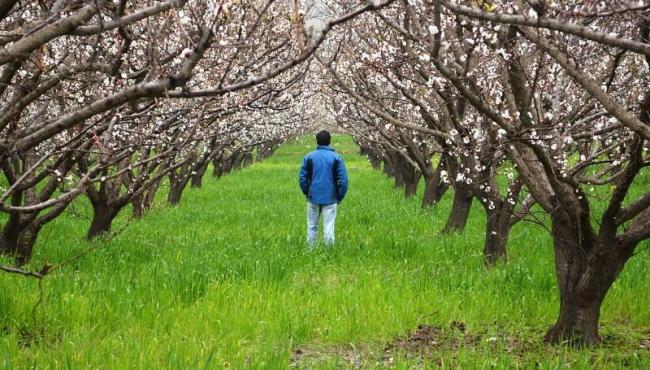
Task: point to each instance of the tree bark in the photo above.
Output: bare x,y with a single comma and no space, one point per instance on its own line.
197,177
103,216
8,243
398,177
460,209
176,188
19,242
139,209
389,166
25,244
411,176
217,167
144,202
434,188
497,231
237,161
247,159
584,278
373,156
375,162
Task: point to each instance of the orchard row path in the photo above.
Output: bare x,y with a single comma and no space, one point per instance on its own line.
225,280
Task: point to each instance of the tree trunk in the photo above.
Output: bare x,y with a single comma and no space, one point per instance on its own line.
19,243
174,196
375,159
460,209
389,166
9,239
399,178
103,216
411,179
497,231
176,188
434,189
247,160
388,169
26,243
217,167
228,164
197,177
143,203
138,206
237,161
584,278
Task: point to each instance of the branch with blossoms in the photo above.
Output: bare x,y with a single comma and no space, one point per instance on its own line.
517,84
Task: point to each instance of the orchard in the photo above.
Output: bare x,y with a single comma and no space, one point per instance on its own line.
497,154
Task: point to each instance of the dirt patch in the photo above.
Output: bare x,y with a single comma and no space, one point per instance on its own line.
435,344
428,341
425,338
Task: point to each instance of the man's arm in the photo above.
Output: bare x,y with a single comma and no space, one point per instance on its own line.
303,178
342,180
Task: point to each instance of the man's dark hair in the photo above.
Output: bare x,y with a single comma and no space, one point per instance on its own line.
323,138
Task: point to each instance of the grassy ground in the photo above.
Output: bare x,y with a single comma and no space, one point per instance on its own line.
225,281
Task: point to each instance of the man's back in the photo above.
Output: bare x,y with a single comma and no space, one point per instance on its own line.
323,178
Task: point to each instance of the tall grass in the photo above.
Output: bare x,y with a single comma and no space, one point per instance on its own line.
225,281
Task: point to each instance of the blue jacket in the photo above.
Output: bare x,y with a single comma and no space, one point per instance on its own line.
323,178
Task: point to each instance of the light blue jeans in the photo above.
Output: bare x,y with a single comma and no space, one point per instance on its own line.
329,216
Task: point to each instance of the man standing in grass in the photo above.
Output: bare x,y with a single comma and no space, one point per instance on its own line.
324,180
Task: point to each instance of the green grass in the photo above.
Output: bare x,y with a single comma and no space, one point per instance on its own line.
226,281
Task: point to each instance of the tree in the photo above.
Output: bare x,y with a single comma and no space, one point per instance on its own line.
548,120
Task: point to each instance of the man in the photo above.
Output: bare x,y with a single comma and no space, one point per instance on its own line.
324,180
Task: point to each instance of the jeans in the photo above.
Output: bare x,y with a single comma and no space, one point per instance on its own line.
329,216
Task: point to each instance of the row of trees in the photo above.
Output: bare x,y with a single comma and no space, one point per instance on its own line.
111,99
522,104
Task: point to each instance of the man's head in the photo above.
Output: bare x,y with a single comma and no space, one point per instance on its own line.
323,138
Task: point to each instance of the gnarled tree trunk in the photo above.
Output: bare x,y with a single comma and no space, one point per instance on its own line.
375,159
103,216
197,176
434,189
144,202
217,166
411,176
20,242
247,159
457,220
139,208
389,165
584,278
25,243
10,235
497,231
20,232
398,176
176,186
174,195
